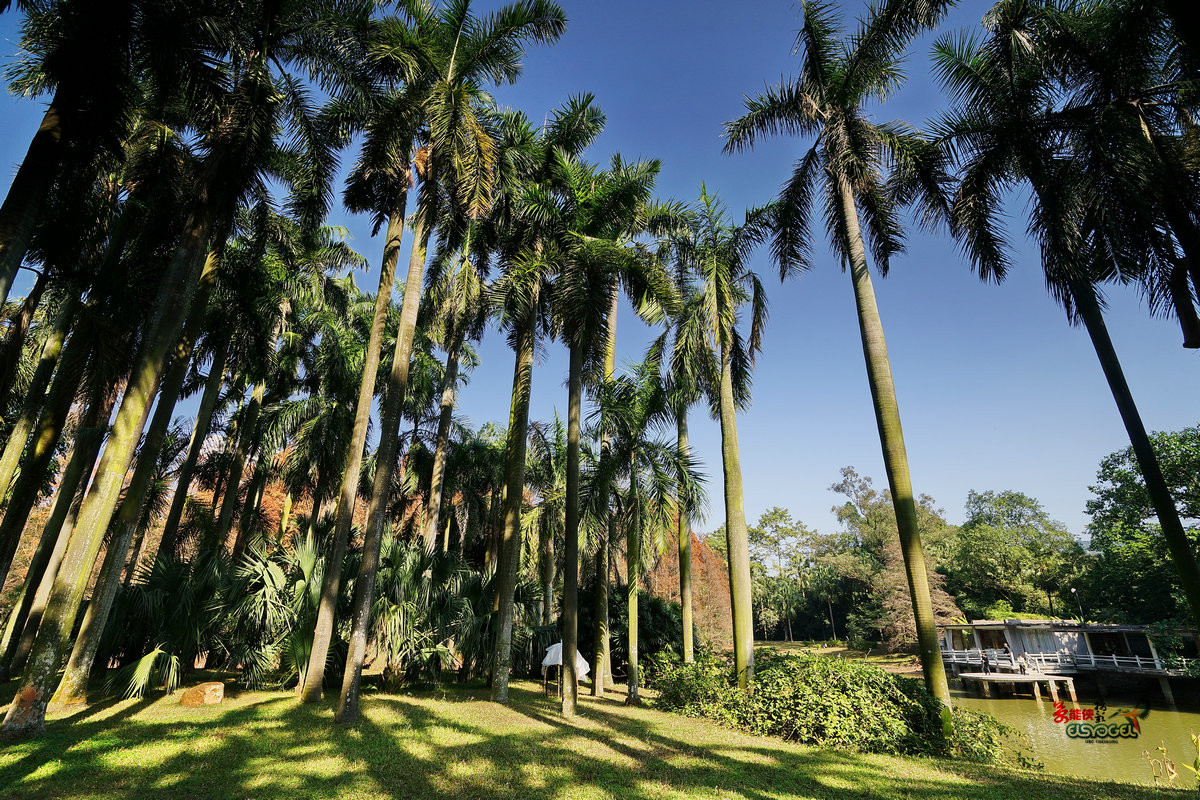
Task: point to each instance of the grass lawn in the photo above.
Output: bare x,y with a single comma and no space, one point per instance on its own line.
455,744
899,663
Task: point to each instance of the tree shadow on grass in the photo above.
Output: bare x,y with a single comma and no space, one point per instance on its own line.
267,745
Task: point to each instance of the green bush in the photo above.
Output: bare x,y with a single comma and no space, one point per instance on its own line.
828,702
699,689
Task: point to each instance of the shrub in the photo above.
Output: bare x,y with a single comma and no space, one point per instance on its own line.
699,689
832,703
827,702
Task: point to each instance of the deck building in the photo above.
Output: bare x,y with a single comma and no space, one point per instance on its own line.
1065,647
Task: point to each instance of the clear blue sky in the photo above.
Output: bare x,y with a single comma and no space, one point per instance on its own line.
996,391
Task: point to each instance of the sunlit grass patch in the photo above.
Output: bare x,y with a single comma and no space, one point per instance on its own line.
453,744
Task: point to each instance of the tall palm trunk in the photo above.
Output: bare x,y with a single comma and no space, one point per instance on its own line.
381,491
570,605
600,653
493,530
736,534
247,535
31,407
285,516
601,675
73,686
247,443
310,688
39,576
10,353
40,451
895,459
188,277
1185,305
228,453
64,523
685,540
546,549
433,505
633,570
27,195
511,497
1178,544
208,404
314,515
135,555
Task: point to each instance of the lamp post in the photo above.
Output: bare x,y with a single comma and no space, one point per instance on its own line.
1075,594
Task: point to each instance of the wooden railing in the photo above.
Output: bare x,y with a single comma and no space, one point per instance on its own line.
1123,663
1050,662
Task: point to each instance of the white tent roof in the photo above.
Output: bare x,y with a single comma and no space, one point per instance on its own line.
554,659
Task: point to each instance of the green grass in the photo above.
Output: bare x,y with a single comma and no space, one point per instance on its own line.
900,663
455,744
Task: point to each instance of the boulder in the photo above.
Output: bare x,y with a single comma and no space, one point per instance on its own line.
204,694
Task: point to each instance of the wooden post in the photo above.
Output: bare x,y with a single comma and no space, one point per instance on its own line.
1053,689
1071,690
1165,683
1154,654
1037,691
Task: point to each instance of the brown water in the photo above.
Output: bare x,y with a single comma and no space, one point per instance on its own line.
1116,758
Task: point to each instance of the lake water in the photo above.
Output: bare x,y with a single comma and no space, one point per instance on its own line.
1107,757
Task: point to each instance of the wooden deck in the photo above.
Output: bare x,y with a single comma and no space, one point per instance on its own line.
1035,679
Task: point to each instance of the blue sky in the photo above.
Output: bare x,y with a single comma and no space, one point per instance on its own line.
995,390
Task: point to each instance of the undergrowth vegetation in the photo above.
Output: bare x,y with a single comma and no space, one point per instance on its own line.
831,703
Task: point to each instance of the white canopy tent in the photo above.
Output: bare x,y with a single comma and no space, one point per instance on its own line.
554,659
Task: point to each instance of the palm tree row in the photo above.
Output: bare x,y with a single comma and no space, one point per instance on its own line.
174,202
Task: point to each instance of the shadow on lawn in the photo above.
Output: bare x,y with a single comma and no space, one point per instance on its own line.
403,748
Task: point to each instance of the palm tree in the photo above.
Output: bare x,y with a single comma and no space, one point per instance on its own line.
18,333
1128,118
580,217
35,394
97,59
839,76
654,219
116,303
30,603
1004,128
521,295
690,366
546,476
237,123
161,448
720,356
204,415
634,409
601,655
459,295
450,111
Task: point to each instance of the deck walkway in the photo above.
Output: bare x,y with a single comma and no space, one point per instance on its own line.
985,681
